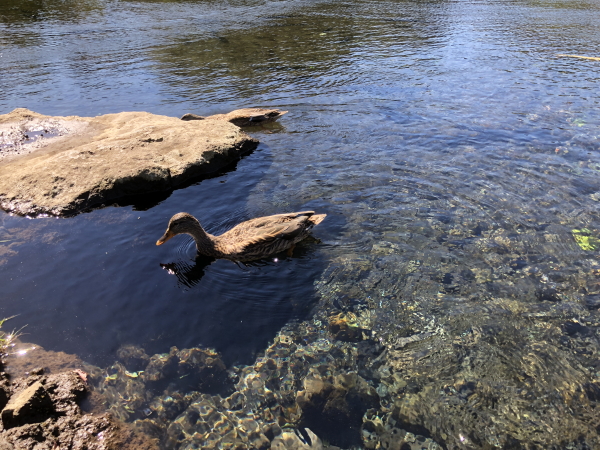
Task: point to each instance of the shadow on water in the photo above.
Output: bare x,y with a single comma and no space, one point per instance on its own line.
144,202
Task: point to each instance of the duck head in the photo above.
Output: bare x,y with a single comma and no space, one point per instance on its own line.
181,223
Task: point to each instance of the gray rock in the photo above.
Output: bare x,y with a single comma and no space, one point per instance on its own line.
90,161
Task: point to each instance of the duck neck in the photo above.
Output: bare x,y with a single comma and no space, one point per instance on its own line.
204,241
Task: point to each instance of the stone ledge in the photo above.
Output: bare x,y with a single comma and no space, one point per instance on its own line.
63,165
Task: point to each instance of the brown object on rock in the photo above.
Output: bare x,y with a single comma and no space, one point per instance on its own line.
246,117
92,160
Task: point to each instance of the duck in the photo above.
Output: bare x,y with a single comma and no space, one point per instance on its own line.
254,239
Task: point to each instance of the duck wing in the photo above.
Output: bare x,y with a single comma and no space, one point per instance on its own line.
266,231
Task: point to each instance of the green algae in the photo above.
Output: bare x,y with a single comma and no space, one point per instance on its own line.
585,239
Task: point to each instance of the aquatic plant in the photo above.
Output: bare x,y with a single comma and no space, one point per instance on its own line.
7,340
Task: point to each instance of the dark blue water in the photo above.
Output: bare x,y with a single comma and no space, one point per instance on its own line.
89,284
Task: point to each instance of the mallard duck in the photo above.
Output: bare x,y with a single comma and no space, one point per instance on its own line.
253,239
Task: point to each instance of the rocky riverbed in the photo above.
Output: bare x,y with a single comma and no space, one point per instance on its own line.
42,411
311,389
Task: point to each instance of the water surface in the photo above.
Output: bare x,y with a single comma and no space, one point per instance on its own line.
454,152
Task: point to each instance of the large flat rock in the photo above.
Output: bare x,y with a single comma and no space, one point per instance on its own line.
62,165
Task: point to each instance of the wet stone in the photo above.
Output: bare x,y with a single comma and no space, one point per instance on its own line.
297,440
592,301
31,405
188,369
344,328
306,387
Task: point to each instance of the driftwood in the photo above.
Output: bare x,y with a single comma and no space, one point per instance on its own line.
246,117
593,58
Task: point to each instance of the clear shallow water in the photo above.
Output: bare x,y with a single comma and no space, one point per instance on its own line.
453,151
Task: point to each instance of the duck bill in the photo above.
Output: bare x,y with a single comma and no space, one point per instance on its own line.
165,237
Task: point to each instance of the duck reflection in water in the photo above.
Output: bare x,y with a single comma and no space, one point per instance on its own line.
189,274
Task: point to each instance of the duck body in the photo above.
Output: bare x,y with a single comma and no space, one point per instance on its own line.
247,241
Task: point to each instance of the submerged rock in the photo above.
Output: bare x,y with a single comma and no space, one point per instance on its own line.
87,161
343,327
188,369
330,404
133,358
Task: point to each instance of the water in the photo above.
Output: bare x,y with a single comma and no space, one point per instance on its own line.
452,150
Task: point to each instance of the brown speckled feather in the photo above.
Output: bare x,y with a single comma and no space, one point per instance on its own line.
270,234
253,239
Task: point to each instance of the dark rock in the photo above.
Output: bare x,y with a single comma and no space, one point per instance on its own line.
547,294
333,407
203,369
592,301
31,405
4,390
66,390
189,369
133,358
161,369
